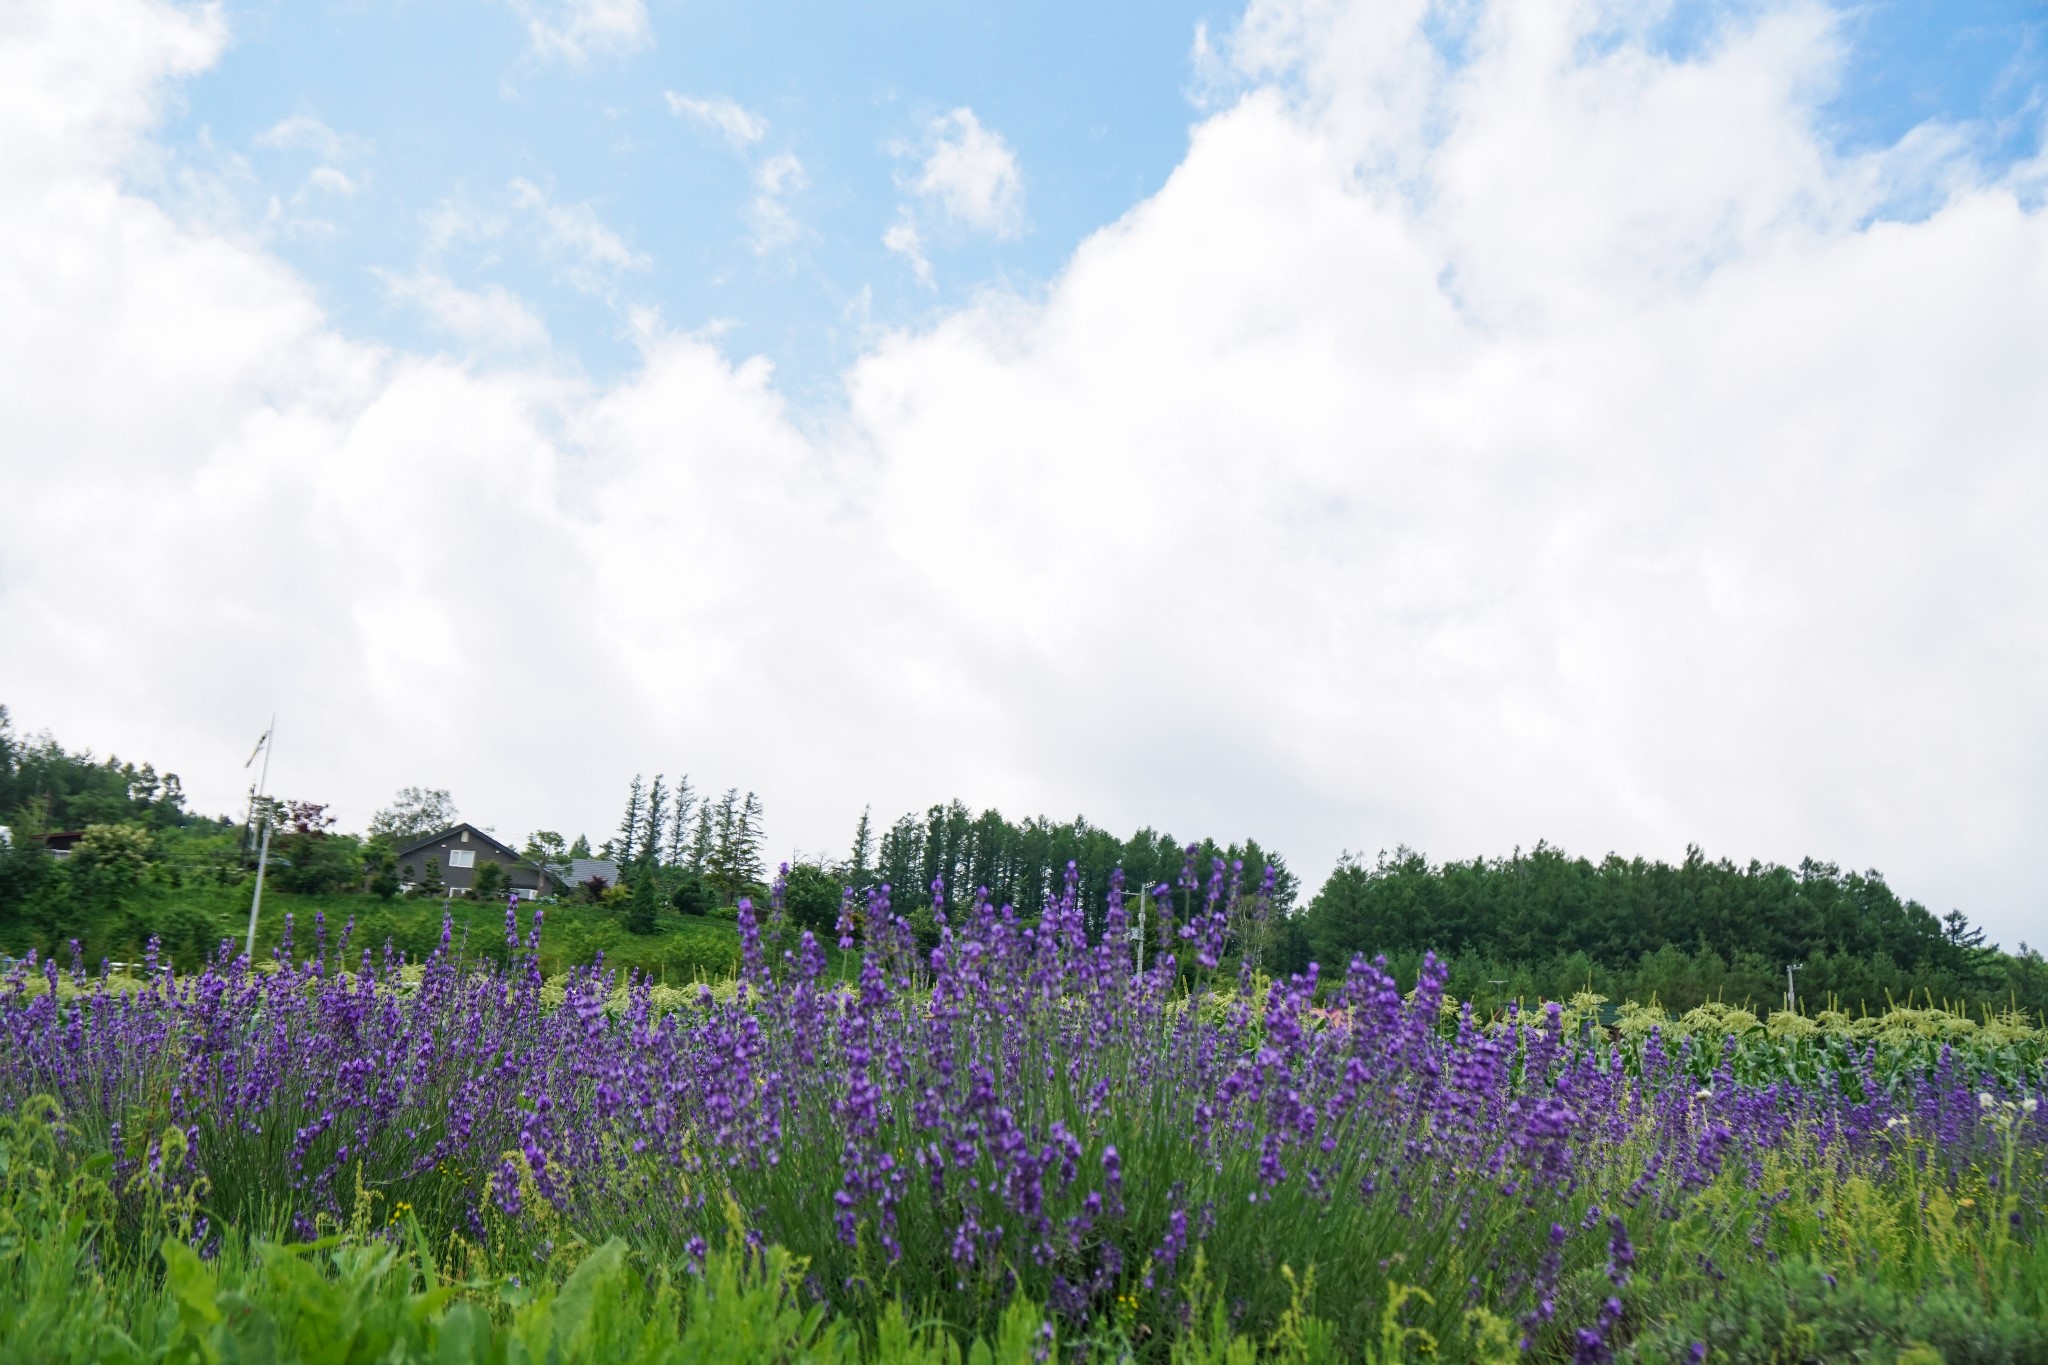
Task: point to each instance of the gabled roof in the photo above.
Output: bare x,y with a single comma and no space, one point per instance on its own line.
577,871
475,834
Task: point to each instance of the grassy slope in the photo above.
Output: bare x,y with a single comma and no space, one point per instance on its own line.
194,918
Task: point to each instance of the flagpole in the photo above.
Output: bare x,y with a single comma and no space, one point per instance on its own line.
262,853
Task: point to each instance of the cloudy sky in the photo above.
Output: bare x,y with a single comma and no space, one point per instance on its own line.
1347,422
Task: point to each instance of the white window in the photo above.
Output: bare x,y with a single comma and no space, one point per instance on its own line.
462,857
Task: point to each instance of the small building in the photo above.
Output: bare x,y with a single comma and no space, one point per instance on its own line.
60,842
463,848
577,872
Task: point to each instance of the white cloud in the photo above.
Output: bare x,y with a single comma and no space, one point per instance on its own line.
1560,445
574,31
491,318
738,125
777,180
971,174
903,239
595,254
328,180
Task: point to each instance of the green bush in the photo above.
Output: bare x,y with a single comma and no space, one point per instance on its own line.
1799,1314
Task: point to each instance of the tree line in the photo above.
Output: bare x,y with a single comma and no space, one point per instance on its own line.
1538,921
1683,931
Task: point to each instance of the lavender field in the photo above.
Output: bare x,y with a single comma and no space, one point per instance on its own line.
1022,1138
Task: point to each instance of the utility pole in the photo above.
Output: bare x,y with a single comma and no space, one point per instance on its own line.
1791,996
1136,934
263,852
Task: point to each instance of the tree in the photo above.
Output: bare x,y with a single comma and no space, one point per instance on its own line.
581,848
430,884
488,882
1956,929
415,813
677,852
747,844
110,861
720,823
651,824
629,827
545,846
810,895
701,841
380,869
640,911
857,864
692,895
735,861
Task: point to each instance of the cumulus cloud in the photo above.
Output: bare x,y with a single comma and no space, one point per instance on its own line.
734,122
1544,435
574,31
970,174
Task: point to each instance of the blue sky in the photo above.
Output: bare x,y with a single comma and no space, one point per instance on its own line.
426,112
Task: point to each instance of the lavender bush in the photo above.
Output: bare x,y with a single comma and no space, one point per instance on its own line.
1025,1113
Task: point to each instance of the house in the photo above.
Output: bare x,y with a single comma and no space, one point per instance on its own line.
463,848
60,842
577,872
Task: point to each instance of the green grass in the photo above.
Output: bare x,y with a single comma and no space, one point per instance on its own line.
193,919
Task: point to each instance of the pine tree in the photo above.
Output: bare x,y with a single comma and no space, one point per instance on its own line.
700,842
722,866
581,848
679,822
640,910
651,823
857,867
747,841
629,828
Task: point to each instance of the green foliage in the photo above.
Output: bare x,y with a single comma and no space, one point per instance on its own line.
43,788
641,909
488,881
311,863
1800,1312
1543,924
733,864
692,895
810,897
1023,864
412,815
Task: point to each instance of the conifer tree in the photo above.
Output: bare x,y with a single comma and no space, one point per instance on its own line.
651,823
684,801
747,841
640,910
857,865
701,841
629,828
